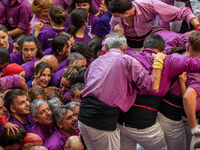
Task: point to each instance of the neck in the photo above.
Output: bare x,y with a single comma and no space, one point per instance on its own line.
21,119
59,58
80,33
68,134
34,82
56,26
7,46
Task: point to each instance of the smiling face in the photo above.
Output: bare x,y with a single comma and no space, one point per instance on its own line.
20,105
44,14
44,115
43,78
29,50
4,39
83,5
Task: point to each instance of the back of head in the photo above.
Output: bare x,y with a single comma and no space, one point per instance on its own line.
74,142
59,114
95,45
120,6
38,148
12,139
53,103
36,91
194,41
72,105
38,5
77,18
10,95
80,76
74,57
116,40
57,14
52,61
4,56
77,86
83,49
154,41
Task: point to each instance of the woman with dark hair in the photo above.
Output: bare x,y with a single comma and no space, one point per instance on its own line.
42,74
16,44
36,92
30,50
4,39
57,18
78,27
92,19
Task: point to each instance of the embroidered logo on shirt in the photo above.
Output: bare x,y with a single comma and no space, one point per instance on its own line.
11,20
90,28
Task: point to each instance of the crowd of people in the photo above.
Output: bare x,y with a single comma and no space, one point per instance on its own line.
99,74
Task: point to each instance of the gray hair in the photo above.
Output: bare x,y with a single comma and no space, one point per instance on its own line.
59,114
53,103
116,40
34,105
72,105
77,86
73,57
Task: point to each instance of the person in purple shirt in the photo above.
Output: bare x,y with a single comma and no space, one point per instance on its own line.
4,39
17,104
18,15
149,103
136,18
66,123
30,50
3,4
57,18
41,10
96,4
92,19
41,113
16,44
78,27
111,84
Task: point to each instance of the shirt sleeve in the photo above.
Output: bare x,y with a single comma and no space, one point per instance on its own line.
11,81
170,13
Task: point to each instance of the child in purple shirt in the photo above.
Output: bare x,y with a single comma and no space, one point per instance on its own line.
92,19
57,18
18,15
78,27
30,50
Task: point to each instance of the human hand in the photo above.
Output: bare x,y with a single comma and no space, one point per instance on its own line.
103,8
38,27
196,130
182,78
159,56
10,126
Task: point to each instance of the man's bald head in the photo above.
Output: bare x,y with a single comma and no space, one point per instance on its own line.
74,143
38,148
51,60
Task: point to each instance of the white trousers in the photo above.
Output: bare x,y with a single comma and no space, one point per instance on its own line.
174,132
99,139
151,138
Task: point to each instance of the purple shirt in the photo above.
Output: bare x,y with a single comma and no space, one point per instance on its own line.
29,68
56,141
48,51
43,131
64,3
113,78
146,12
103,23
46,37
46,24
29,122
10,49
67,95
96,4
19,14
173,39
63,64
56,78
3,4
173,66
11,81
16,58
92,24
85,39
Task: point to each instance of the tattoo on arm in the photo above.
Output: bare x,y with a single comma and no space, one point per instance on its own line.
155,78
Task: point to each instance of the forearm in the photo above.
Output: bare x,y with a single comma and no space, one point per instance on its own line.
183,88
156,74
194,21
15,32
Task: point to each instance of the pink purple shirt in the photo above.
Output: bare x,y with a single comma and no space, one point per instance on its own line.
29,68
11,81
46,37
56,141
29,122
146,12
114,78
173,66
46,24
3,4
43,131
92,24
19,14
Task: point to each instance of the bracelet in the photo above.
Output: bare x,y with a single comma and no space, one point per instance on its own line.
36,34
158,64
193,125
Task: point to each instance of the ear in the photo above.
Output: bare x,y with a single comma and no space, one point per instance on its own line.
35,75
59,52
187,48
66,147
164,51
125,49
59,124
12,109
71,98
35,118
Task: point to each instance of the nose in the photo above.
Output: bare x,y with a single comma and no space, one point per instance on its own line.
1,41
27,103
